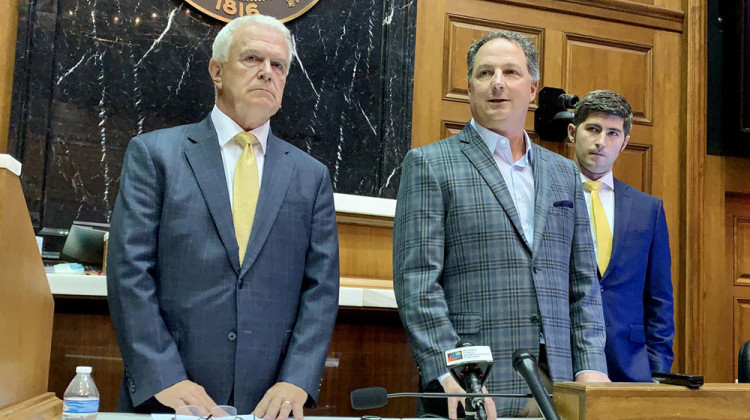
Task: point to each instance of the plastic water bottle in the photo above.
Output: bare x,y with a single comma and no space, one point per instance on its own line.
81,398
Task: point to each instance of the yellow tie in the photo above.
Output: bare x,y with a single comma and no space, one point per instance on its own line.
245,191
601,226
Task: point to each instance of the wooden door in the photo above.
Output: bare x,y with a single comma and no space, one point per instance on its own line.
727,315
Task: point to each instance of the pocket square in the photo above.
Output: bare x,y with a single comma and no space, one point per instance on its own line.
563,203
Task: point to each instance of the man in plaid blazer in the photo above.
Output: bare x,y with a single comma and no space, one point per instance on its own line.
492,244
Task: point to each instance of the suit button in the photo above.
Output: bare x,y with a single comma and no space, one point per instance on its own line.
131,386
535,269
232,336
534,319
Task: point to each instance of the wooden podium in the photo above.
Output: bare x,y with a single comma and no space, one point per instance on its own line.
26,309
651,401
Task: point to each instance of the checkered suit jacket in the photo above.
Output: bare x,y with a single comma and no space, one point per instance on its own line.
463,269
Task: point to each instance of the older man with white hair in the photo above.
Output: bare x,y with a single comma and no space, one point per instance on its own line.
223,268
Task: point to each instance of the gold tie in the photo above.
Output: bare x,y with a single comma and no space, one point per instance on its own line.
245,191
601,226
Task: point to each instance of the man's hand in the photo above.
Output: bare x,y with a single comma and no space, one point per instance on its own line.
280,400
450,386
185,393
592,376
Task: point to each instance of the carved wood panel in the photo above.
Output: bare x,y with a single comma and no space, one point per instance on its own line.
625,67
741,251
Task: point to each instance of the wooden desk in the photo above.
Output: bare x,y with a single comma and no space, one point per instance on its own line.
651,401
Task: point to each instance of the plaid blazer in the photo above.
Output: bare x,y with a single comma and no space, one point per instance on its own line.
464,270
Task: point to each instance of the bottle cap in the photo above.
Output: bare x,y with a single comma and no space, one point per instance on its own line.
83,369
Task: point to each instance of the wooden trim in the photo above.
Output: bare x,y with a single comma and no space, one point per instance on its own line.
622,11
8,33
42,407
364,283
689,306
364,220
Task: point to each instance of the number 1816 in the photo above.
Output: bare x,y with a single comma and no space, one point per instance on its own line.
233,7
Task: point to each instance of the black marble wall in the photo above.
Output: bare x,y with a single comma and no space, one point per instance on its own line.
91,74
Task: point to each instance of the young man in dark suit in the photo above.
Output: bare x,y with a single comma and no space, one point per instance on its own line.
631,241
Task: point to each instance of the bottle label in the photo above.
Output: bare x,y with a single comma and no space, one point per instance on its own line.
80,405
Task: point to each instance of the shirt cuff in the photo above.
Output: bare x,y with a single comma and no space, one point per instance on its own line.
586,370
442,377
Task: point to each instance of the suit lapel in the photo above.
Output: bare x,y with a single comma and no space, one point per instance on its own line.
623,206
204,157
476,151
277,172
542,193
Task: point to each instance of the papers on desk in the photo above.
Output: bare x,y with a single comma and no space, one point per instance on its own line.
252,417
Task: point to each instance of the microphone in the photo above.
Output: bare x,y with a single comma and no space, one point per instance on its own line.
470,366
369,398
743,364
524,363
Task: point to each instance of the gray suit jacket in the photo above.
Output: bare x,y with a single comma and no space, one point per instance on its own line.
464,270
183,307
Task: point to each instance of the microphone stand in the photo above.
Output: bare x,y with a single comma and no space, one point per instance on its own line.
457,395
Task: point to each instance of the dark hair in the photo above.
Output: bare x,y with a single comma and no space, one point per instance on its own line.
607,102
532,55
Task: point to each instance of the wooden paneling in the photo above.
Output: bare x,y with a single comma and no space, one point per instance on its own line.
83,335
26,304
741,255
689,300
366,251
626,68
369,348
741,325
727,295
8,31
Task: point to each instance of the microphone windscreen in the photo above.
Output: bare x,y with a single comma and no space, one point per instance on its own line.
519,356
464,343
368,398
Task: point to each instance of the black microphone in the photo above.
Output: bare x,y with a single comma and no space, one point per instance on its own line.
470,365
369,398
743,364
525,364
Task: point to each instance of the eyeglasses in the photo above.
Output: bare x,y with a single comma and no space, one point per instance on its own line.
220,412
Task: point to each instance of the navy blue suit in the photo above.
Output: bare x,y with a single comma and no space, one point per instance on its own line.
182,305
637,289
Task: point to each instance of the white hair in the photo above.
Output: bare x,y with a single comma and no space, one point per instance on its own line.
224,38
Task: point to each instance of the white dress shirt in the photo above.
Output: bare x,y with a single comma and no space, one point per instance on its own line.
518,175
226,129
607,195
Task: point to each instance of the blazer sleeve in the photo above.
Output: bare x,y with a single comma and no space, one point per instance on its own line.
586,316
418,241
316,317
657,300
149,352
